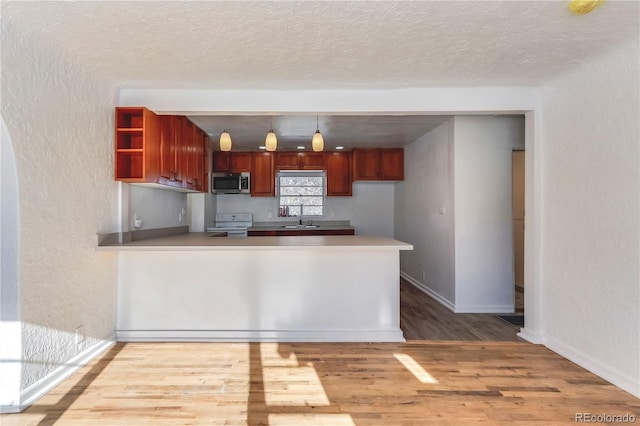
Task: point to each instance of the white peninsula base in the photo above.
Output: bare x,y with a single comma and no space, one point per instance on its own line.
287,291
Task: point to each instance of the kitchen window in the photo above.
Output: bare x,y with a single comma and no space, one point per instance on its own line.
298,189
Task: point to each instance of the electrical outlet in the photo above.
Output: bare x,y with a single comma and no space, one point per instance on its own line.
442,210
137,222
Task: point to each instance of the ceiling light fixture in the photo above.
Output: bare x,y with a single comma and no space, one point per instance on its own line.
300,147
262,147
582,7
225,141
271,142
339,147
317,143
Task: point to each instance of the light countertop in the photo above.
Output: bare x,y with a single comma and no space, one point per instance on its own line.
206,242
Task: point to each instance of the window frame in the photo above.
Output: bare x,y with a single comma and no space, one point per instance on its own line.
304,173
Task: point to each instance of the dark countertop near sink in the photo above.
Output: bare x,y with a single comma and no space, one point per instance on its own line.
319,225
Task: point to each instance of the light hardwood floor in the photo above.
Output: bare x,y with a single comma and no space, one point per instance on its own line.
416,383
421,383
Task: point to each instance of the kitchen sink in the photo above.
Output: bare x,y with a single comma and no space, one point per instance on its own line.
299,226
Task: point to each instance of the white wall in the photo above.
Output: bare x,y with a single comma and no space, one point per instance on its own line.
483,218
419,220
10,328
370,210
158,208
455,208
591,225
60,121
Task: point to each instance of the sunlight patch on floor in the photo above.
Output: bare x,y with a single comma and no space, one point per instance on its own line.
311,419
286,383
415,368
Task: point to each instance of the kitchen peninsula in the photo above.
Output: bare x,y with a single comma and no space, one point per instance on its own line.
271,288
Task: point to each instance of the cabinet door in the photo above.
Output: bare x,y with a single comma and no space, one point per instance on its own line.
338,173
188,153
392,164
205,163
221,162
366,164
240,162
199,165
177,124
312,161
288,161
262,176
167,151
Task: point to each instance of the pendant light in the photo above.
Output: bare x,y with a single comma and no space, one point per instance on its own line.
271,142
317,143
582,7
225,141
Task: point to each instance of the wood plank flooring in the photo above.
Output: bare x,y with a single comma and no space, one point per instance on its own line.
420,382
416,383
422,318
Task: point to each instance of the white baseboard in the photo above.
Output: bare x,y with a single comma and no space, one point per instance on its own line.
32,393
618,378
459,309
420,286
531,336
259,336
484,309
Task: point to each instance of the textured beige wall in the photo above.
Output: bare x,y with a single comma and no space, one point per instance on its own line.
60,121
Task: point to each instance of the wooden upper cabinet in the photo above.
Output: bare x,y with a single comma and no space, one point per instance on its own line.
366,164
188,152
378,164
240,162
198,147
171,170
166,150
262,175
231,162
392,163
205,162
221,162
339,179
312,161
287,160
299,160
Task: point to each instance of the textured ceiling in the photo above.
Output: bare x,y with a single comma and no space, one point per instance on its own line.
321,45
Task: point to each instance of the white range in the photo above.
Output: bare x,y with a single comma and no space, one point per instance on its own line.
234,224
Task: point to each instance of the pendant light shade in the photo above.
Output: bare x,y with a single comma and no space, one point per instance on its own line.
317,143
271,142
225,141
582,7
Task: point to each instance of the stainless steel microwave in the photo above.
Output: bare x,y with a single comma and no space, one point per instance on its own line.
230,183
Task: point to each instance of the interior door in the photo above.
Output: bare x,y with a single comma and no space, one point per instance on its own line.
518,218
